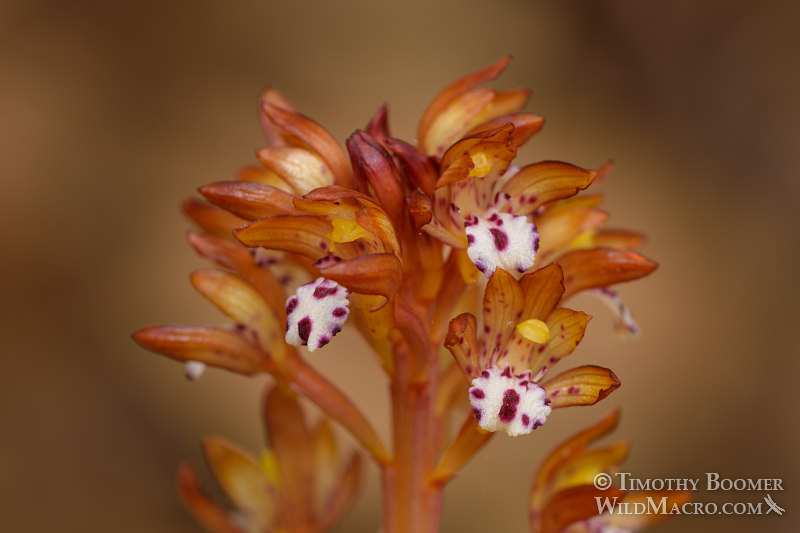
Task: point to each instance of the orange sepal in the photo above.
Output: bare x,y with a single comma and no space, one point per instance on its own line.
601,267
291,441
585,385
213,346
234,256
637,522
299,130
243,304
495,146
559,227
571,505
273,97
249,200
453,91
503,302
470,439
206,512
462,341
378,274
301,169
619,239
419,170
566,332
526,125
344,492
568,450
242,479
536,184
211,219
300,234
542,289
375,170
254,174
378,127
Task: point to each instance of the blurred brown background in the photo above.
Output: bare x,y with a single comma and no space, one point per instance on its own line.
112,112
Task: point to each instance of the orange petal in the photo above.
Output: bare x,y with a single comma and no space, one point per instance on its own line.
213,346
206,512
344,494
299,130
375,170
566,332
462,341
539,183
492,148
525,126
543,289
503,303
470,439
301,169
242,303
249,200
601,267
211,219
585,385
379,274
301,234
444,99
291,441
243,480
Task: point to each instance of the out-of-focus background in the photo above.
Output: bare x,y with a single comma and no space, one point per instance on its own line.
111,113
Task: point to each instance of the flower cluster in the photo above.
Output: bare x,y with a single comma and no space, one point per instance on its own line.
442,245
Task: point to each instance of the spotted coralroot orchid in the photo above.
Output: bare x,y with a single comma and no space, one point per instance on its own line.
423,249
297,484
564,496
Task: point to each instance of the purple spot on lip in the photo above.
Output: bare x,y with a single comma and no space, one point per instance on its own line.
485,374
506,372
323,341
470,238
478,393
477,414
321,292
525,420
339,312
509,407
500,239
291,305
304,328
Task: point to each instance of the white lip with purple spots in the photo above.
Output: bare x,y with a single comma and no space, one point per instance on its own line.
316,313
501,240
503,401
